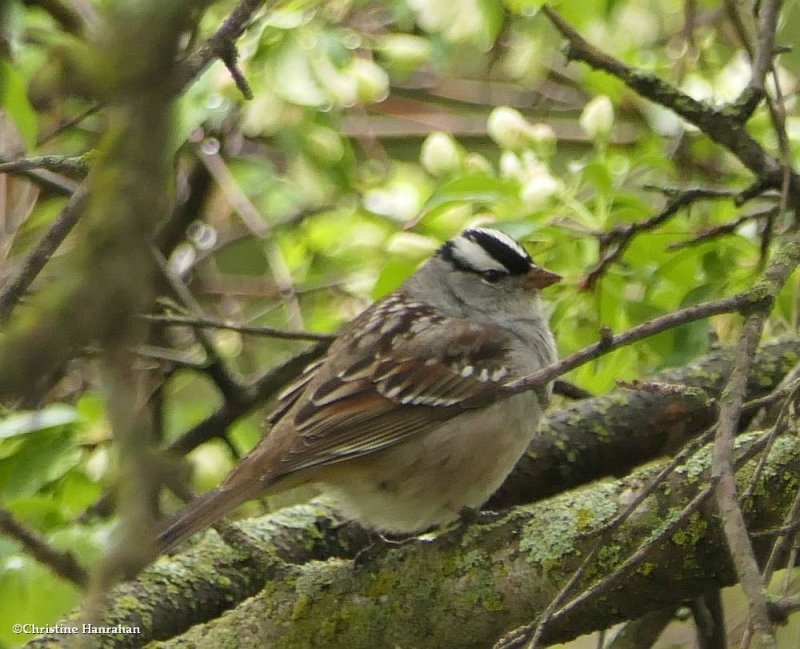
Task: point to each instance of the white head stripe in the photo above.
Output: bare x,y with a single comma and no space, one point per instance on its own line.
473,255
505,239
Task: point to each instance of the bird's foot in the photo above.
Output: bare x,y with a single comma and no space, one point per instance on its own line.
380,543
471,516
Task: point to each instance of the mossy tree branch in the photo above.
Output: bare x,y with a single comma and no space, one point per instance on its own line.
467,587
600,436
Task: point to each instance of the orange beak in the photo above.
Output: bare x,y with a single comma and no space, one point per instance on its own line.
539,278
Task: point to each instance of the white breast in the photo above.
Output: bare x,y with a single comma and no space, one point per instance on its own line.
427,481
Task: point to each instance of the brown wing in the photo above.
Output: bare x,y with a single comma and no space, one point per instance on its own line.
362,399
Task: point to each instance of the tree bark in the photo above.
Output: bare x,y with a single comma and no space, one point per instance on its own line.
590,439
466,587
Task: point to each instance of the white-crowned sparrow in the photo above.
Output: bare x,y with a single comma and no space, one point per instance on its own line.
398,421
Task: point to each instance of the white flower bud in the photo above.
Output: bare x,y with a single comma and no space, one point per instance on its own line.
477,164
543,139
405,52
400,202
432,15
372,82
508,128
539,190
511,166
597,118
325,145
440,155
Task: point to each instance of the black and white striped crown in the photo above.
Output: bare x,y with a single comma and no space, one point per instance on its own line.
489,253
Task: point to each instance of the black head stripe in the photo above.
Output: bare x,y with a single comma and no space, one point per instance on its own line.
502,248
447,252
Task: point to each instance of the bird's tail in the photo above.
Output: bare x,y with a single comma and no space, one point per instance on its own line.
199,514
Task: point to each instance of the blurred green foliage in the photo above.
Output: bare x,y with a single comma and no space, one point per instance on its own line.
365,146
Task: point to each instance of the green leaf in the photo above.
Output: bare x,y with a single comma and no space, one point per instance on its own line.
24,423
697,295
469,189
243,257
37,461
599,177
14,100
40,511
519,229
493,16
75,492
392,276
92,408
245,433
36,596
689,341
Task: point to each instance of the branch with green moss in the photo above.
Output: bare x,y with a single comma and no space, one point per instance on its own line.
210,577
614,432
597,437
466,587
74,165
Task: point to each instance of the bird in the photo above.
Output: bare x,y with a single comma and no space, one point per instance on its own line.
400,420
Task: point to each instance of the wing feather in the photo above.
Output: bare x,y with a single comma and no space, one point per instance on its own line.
386,380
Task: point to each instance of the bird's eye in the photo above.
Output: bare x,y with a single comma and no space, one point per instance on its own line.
492,276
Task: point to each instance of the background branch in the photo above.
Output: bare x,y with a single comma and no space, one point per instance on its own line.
63,564
13,290
717,125
785,261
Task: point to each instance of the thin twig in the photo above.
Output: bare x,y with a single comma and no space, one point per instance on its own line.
783,530
739,27
243,206
216,424
67,124
605,530
680,458
783,539
76,165
747,569
721,127
787,409
777,112
258,392
61,563
778,548
547,614
643,632
570,390
48,180
230,57
15,288
231,29
522,634
216,46
269,332
231,389
709,620
782,608
781,392
717,231
644,330
765,51
534,630
616,241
